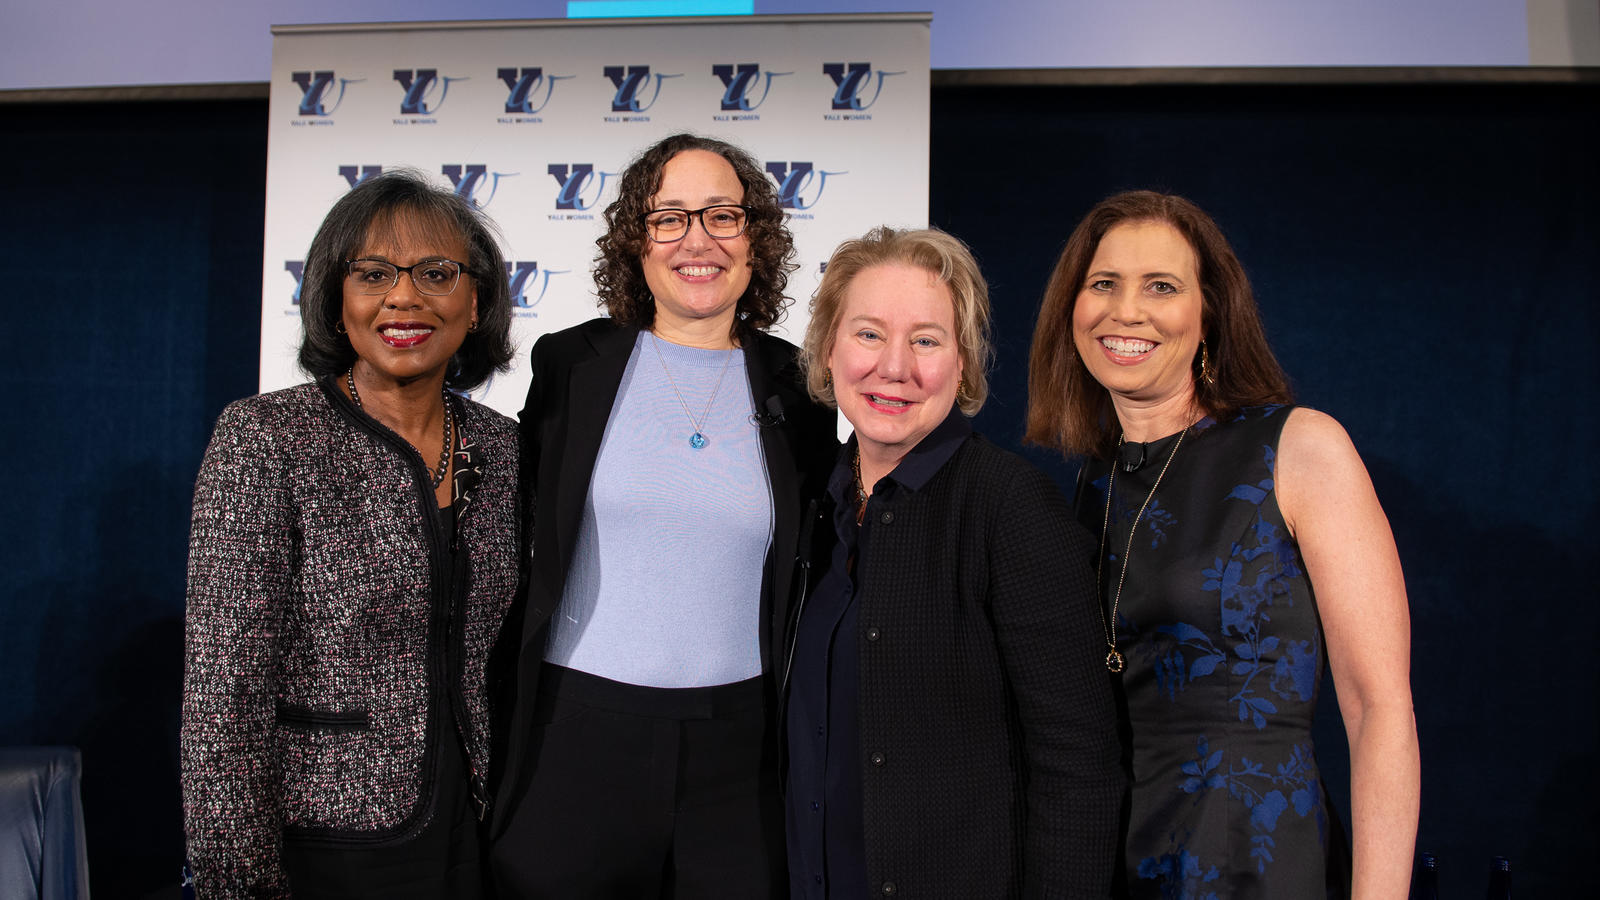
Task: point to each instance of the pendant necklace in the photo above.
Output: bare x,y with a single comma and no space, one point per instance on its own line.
698,439
857,487
449,426
1114,661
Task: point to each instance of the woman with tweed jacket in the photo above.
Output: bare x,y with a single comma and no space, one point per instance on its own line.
950,730
354,548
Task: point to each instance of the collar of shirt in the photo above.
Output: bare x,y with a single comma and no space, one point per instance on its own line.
926,458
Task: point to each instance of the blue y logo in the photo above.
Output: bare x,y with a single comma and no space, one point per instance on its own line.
523,274
468,179
794,180
573,180
357,174
314,91
524,85
849,79
296,268
737,81
419,84
629,80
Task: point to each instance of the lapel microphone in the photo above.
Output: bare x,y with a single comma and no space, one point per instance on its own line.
773,415
1130,456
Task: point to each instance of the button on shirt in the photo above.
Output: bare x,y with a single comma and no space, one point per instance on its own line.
826,841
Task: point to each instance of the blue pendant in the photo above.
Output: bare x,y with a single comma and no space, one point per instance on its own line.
697,440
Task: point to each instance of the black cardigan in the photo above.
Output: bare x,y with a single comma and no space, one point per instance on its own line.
991,764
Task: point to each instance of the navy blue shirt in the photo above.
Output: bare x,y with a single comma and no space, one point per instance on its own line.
827,846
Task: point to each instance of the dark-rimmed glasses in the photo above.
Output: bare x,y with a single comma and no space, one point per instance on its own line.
435,277
722,222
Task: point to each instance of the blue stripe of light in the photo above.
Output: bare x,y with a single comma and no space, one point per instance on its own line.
619,9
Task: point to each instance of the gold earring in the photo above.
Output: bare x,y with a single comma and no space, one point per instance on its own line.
1206,373
827,378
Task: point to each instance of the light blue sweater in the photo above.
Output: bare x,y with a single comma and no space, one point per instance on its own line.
665,585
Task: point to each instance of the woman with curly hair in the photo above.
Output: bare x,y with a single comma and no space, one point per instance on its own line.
666,451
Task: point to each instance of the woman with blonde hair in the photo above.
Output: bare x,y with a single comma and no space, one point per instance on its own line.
950,732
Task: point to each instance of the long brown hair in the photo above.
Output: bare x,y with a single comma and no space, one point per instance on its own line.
1068,409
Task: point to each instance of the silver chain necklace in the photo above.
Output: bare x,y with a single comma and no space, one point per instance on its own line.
449,425
698,439
1114,661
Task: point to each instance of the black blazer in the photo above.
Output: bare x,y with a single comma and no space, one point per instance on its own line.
576,375
990,759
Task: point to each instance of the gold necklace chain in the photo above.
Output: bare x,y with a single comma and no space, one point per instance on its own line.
437,475
1114,661
859,488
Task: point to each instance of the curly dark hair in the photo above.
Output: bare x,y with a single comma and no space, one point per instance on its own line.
1068,409
393,201
619,267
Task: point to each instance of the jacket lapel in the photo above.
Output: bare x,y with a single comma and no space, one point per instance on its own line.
591,393
772,395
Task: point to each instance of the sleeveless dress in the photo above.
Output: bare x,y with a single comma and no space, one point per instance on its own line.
1223,652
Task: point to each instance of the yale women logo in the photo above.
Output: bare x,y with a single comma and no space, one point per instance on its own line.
468,180
631,82
800,185
850,82
737,82
580,185
530,89
314,89
425,90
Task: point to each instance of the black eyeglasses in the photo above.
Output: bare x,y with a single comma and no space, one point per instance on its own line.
721,222
436,277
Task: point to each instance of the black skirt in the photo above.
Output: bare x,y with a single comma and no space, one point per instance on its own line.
443,860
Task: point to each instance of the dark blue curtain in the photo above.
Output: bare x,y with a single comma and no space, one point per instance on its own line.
1423,256
1425,261
133,233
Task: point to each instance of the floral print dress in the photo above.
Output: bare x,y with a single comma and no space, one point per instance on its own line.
1223,650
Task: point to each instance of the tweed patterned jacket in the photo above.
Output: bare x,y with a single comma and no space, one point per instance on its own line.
317,639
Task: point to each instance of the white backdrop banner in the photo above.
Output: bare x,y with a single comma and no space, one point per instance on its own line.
534,121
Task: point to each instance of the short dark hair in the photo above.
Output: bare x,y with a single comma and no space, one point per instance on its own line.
393,200
938,253
1068,409
619,268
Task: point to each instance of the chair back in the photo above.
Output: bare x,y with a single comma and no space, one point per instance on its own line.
42,854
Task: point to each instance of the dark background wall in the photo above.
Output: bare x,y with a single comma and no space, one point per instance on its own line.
1425,258
137,231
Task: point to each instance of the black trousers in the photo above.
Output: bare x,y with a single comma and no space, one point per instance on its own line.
642,792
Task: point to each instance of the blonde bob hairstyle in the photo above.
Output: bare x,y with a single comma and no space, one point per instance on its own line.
939,254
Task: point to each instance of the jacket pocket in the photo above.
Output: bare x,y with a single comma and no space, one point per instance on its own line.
304,718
